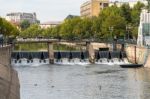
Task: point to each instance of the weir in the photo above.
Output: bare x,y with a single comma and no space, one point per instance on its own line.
86,56
68,57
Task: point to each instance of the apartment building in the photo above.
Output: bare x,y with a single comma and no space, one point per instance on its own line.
17,17
93,7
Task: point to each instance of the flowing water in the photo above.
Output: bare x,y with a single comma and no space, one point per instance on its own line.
83,82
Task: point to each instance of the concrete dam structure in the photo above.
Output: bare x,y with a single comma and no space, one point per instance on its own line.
138,55
67,56
9,82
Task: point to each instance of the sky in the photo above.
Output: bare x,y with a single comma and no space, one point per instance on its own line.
46,10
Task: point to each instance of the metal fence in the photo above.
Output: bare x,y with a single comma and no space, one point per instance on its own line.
4,42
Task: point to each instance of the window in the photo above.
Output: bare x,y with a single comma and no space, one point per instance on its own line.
146,29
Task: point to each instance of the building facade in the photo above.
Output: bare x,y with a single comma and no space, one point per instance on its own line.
18,17
50,24
93,7
144,29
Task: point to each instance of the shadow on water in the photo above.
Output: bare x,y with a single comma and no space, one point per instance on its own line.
107,71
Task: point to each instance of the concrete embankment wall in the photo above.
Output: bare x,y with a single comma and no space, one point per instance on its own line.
9,82
136,54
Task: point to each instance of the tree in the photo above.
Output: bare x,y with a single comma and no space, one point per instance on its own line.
86,26
32,31
8,29
111,17
134,32
47,32
67,30
126,12
148,6
24,24
135,15
55,32
96,27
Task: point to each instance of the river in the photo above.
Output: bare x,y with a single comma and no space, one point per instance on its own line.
83,82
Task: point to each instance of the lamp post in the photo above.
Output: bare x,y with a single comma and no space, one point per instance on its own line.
128,28
111,29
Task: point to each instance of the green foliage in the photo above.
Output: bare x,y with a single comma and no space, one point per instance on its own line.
24,24
8,29
70,28
126,12
32,31
47,32
135,14
113,19
96,28
148,6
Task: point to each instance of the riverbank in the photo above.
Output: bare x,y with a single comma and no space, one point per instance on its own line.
9,82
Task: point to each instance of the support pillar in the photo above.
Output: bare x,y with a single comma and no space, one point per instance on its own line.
114,44
91,52
51,52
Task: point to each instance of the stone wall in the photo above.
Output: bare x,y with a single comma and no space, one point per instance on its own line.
9,82
136,54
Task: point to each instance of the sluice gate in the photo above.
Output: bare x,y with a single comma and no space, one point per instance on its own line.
69,57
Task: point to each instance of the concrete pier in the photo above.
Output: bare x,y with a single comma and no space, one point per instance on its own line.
51,52
91,52
9,82
136,54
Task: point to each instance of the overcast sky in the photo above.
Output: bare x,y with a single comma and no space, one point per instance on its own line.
47,10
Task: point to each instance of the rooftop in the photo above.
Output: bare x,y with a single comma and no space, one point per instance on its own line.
51,22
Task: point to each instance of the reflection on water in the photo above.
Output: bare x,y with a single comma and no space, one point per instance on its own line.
141,82
42,47
83,82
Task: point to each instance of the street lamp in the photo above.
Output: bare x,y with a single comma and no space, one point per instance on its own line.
111,29
128,28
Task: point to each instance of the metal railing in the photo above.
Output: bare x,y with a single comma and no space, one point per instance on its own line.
5,42
108,41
